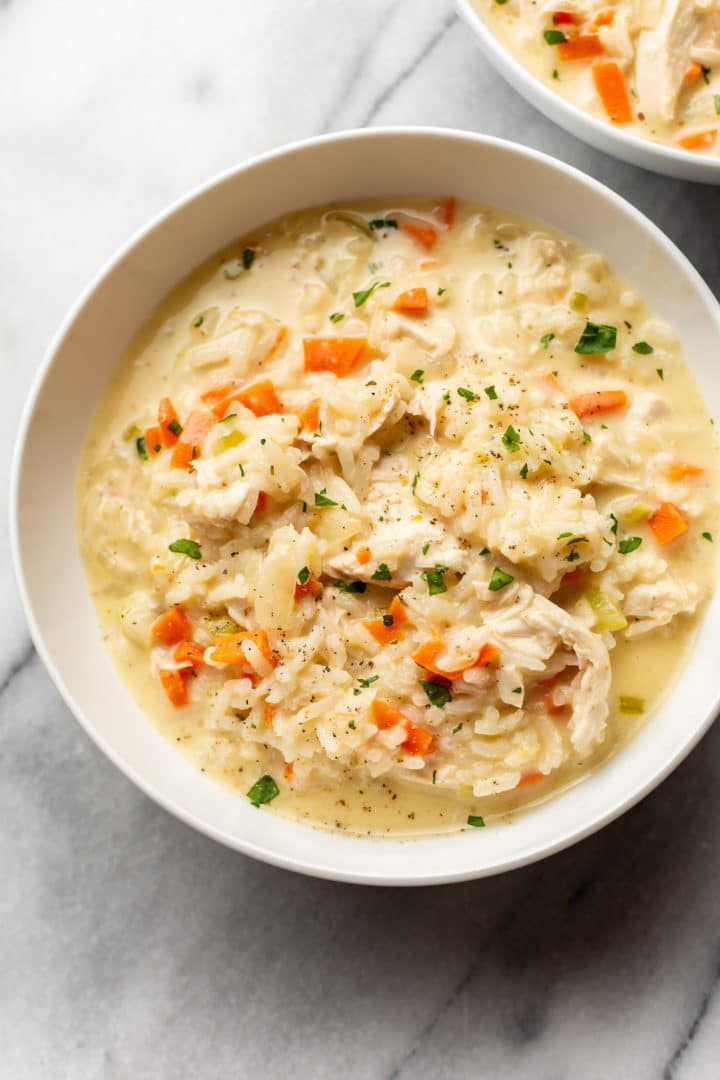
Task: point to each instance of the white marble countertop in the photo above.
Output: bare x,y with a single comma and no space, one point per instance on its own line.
130,947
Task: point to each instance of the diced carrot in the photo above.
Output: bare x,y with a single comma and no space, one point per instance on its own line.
564,17
572,576
385,715
174,686
189,652
446,212
153,441
598,401
427,656
699,140
218,393
552,707
336,354
312,587
261,504
612,90
692,72
309,416
380,630
489,656
584,47
418,741
414,301
173,626
425,234
288,770
667,523
530,778
189,445
268,714
228,647
682,469
167,417
261,398
603,18
363,555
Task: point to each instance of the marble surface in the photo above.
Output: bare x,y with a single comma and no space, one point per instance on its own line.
129,945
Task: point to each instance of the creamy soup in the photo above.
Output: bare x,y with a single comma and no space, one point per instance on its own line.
649,66
399,517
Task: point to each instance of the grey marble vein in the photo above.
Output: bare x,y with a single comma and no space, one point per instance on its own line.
131,947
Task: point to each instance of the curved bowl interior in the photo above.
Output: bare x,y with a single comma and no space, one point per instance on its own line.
68,389
668,160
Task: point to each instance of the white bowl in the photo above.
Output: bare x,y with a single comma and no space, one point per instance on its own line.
669,160
76,371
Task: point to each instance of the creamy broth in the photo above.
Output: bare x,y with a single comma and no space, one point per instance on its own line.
517,297
650,67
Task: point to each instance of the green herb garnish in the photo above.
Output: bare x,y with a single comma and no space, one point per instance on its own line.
491,392
363,294
434,579
476,821
303,575
186,547
438,694
321,499
511,439
626,546
643,348
263,791
546,339
596,338
467,394
383,223
141,448
499,579
382,574
417,375
336,316
248,258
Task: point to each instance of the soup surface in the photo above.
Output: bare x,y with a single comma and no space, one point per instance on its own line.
399,517
650,66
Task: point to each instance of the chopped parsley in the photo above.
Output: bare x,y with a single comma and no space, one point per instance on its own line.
613,527
573,556
417,375
546,339
242,473
517,690
464,393
511,439
388,620
446,397
555,73
706,74
336,316
476,821
248,258
441,291
458,727
363,294
303,575
175,427
425,548
230,416
383,223
351,586
369,681
499,579
437,693
186,547
708,536
434,775
660,372
643,348
434,579
626,546
415,479
141,448
383,574
554,37
485,551
199,321
321,499
491,392
717,104
352,725
263,790
596,338
587,437
524,471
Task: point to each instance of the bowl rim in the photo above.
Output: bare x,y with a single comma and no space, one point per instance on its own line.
565,837
531,87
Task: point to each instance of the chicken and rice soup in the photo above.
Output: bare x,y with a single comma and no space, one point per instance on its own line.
650,66
399,517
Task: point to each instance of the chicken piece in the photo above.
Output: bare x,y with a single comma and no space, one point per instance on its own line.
656,604
663,56
397,538
244,339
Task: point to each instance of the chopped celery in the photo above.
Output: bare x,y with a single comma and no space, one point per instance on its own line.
578,301
130,432
631,705
227,442
223,624
607,615
636,513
